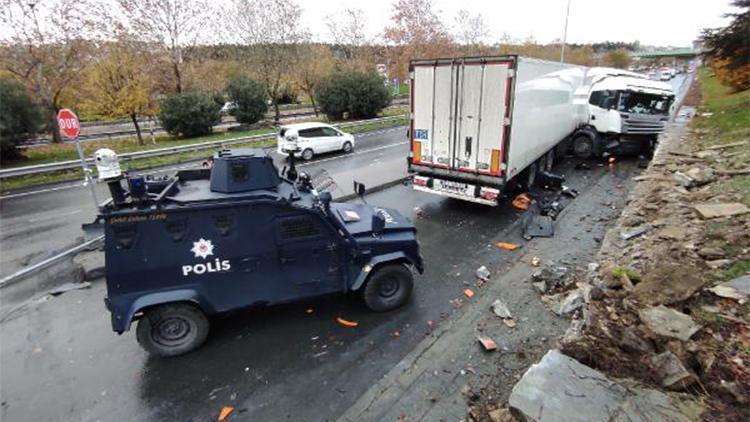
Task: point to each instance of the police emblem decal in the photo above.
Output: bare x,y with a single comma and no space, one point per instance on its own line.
202,248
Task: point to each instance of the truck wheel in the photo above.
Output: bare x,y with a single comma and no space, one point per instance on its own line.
530,177
307,154
171,330
388,288
583,147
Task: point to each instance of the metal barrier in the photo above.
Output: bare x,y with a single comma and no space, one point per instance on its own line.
158,152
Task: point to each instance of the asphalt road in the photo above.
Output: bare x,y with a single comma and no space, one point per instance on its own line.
60,360
38,223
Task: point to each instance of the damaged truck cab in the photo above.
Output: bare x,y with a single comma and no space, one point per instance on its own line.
210,241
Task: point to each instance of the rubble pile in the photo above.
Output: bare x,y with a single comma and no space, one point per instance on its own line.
667,302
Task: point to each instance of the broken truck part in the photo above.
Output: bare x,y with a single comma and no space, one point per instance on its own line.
479,123
209,241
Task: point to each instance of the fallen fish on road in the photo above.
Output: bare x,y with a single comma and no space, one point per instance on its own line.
488,344
344,322
508,246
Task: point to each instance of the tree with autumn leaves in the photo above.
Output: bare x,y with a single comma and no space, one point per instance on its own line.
729,48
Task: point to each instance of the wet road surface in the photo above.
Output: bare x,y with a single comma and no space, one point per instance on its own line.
61,361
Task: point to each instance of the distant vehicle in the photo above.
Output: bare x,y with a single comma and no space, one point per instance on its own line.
205,242
480,123
228,107
310,139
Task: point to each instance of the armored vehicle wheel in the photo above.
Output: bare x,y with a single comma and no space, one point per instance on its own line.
171,330
347,147
388,287
307,154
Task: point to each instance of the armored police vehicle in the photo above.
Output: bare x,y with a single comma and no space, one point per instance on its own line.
207,241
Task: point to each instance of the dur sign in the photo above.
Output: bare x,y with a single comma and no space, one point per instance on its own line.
68,123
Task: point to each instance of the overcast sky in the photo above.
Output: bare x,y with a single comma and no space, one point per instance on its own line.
652,22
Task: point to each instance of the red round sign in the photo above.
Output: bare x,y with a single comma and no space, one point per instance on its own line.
68,123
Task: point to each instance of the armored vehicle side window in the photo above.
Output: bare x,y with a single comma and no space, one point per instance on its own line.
240,172
298,227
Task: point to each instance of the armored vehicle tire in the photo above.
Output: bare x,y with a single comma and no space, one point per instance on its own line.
388,287
307,154
173,329
347,147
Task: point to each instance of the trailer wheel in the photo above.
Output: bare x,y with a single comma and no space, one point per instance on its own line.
388,288
173,329
583,146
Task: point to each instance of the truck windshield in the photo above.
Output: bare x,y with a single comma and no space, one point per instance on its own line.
640,103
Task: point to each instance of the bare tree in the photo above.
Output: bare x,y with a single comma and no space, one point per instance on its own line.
273,31
316,61
470,31
173,25
417,32
347,29
45,47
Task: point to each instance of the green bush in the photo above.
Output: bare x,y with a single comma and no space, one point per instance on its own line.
20,118
359,95
249,98
288,95
189,114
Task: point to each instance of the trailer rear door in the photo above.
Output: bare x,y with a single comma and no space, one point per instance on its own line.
459,111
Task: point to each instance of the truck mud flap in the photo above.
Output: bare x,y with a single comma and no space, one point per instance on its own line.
539,226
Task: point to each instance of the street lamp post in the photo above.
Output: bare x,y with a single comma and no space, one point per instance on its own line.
565,34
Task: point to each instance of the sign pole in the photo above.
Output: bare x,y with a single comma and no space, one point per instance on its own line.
70,128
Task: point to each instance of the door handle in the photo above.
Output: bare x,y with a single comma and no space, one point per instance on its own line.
468,146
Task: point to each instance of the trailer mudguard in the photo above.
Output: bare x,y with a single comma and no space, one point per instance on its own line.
393,257
122,318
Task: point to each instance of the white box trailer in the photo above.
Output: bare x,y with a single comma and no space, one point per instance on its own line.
476,123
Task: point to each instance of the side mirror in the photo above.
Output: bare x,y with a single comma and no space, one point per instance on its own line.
378,223
359,189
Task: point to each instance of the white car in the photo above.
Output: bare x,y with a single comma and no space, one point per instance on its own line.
311,139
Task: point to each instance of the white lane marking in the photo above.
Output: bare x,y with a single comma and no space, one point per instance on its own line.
22,194
48,217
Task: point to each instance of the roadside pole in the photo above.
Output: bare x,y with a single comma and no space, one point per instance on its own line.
70,128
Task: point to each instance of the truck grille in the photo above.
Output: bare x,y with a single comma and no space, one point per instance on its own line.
644,125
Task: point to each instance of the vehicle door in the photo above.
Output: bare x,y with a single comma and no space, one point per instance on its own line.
309,254
311,138
333,138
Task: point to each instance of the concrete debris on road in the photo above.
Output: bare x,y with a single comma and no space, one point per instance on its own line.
708,211
483,273
566,190
559,388
671,372
638,231
668,322
551,277
711,253
572,302
737,289
487,343
501,309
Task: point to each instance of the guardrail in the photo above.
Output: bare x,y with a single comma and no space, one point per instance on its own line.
75,164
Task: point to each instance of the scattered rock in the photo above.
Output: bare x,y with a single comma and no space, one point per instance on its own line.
572,302
596,293
720,210
701,176
574,332
718,263
552,276
630,234
737,289
711,253
672,374
483,273
559,388
632,342
593,267
673,233
488,343
668,322
667,284
683,179
501,309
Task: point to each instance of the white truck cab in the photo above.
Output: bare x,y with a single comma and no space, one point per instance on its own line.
624,110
